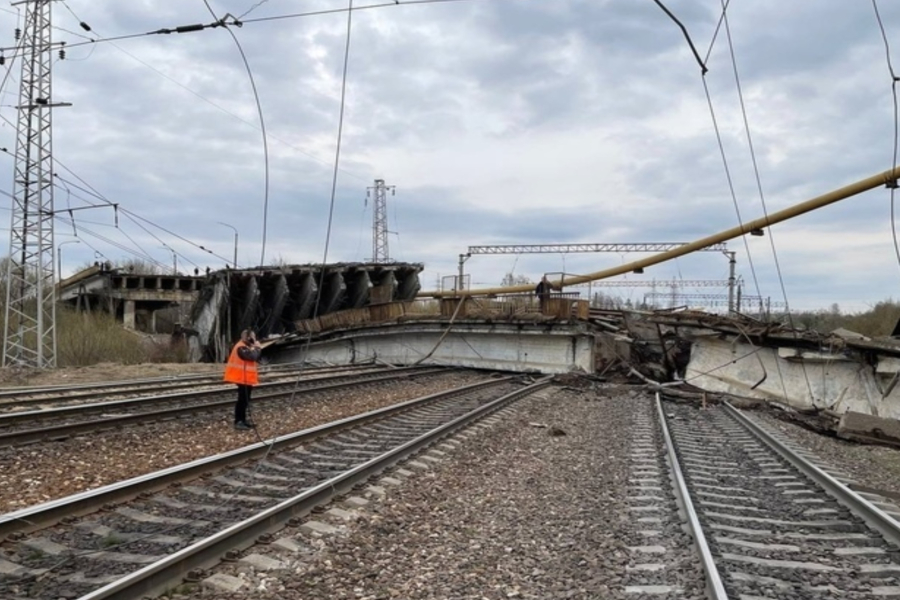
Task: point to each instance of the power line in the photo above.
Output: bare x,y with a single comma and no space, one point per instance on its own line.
141,253
393,3
252,8
89,189
340,133
759,187
715,35
894,80
262,126
687,36
238,22
762,198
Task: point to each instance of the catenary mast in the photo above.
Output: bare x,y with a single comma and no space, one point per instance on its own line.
29,337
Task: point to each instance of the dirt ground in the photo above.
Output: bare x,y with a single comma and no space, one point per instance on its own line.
17,376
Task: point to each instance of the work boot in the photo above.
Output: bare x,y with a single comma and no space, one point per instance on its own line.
241,426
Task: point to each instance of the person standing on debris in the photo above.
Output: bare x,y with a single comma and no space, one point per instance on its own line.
542,291
241,370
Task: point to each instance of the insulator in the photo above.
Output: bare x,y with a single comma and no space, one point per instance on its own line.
2,60
85,26
62,54
18,33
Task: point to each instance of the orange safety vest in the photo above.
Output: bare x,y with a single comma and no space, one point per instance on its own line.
240,371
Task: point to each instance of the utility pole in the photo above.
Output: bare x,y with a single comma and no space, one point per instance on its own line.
234,262
379,220
731,280
461,277
29,338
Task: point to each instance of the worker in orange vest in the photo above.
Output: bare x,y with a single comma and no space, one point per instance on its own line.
241,370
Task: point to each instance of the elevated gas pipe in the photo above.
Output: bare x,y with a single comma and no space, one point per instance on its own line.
888,178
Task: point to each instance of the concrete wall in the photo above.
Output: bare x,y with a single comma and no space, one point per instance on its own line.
802,379
508,347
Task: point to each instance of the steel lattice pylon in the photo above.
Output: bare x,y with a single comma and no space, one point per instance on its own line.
29,337
379,222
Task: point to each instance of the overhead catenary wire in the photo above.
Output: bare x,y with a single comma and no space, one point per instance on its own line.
762,199
755,163
334,177
894,80
337,149
90,190
265,140
12,62
235,21
730,181
684,31
715,35
704,71
252,8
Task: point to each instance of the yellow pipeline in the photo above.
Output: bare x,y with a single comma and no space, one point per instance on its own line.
886,178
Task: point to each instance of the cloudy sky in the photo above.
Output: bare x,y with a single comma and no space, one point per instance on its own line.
498,121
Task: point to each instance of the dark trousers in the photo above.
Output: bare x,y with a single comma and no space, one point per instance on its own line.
243,403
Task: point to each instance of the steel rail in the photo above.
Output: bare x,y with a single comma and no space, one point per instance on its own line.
12,418
48,513
875,517
61,431
157,577
716,587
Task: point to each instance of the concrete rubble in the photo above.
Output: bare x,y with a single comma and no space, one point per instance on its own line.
842,383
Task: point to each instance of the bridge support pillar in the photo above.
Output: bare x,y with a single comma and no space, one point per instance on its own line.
128,315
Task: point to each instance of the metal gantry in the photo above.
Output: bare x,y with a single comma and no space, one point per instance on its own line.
29,335
654,283
566,248
379,220
713,300
604,247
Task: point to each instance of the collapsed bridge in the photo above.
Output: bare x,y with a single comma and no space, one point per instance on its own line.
273,300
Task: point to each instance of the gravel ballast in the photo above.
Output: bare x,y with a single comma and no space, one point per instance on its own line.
41,472
872,466
533,506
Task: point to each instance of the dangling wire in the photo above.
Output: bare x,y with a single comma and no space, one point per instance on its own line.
894,80
262,126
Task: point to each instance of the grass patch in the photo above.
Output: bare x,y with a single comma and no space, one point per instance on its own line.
89,338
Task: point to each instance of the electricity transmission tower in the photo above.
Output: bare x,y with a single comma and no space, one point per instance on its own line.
379,221
29,337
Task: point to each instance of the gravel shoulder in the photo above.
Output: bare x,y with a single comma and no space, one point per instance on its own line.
18,376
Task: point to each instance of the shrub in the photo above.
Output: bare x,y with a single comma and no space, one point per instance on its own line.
90,338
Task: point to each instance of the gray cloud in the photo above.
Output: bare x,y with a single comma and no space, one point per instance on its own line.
500,122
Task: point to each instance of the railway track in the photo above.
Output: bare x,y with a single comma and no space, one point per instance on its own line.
60,423
17,399
766,522
142,536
